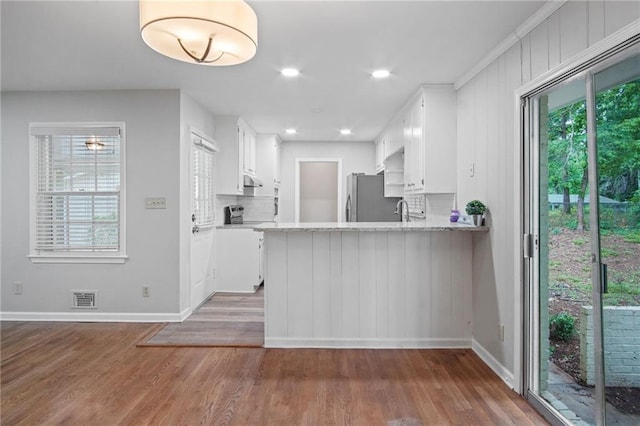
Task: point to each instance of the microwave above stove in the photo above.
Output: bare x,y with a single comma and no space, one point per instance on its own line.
233,214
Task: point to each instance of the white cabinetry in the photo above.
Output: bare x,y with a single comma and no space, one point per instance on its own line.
236,141
380,155
268,163
248,139
426,129
240,264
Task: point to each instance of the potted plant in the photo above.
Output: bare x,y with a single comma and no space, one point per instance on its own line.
476,209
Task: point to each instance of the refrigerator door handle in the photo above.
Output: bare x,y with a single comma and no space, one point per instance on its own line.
347,209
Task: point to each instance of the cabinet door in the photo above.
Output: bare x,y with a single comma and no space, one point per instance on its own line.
408,154
380,155
276,165
240,171
417,147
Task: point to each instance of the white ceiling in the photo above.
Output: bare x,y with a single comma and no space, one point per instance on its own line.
82,45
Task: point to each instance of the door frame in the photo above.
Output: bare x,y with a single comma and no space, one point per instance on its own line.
296,186
614,49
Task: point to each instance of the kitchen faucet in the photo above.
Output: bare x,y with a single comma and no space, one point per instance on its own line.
402,208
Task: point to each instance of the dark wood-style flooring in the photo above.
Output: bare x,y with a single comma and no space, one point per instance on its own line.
93,374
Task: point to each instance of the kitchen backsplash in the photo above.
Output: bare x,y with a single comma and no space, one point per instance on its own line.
257,209
438,206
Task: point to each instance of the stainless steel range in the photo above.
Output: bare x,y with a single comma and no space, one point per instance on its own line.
233,214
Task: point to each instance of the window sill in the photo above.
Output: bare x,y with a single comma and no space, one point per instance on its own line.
77,259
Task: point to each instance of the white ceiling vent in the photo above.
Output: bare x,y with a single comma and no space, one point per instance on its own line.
85,299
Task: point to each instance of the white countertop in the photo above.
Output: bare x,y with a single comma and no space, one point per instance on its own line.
367,226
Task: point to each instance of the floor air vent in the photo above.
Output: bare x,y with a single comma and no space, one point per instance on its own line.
85,299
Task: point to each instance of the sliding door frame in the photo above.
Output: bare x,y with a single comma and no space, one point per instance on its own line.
585,65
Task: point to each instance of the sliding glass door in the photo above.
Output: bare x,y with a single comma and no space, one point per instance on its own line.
584,225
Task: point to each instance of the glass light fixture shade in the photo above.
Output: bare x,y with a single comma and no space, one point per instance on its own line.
94,144
206,32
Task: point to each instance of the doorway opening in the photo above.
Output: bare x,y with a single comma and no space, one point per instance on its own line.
582,219
318,190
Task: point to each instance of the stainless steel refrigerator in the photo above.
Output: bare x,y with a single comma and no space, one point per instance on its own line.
366,201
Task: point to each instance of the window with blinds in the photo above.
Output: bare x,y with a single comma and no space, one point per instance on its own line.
77,197
203,182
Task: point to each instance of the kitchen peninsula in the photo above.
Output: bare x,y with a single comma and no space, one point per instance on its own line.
368,285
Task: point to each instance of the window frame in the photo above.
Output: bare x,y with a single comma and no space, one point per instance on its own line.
37,256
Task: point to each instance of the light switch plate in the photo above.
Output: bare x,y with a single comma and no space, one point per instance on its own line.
155,203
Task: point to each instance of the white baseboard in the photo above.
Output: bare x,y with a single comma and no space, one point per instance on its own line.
359,343
499,369
94,316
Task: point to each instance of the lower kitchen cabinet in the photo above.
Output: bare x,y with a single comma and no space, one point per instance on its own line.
240,263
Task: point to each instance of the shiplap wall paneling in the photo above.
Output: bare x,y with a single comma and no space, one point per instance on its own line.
336,284
417,264
276,286
573,29
382,285
350,285
300,284
396,284
322,270
367,283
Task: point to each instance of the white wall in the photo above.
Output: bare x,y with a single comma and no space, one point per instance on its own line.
152,169
486,122
356,157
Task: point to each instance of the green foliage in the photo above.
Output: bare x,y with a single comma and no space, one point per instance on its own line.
562,326
633,237
475,207
580,241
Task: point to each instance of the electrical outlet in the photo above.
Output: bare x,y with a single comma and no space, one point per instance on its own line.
17,287
501,332
472,169
146,292
214,273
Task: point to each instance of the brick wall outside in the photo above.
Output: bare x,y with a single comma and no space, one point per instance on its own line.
621,345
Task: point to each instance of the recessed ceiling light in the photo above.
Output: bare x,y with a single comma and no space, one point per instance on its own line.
345,131
291,131
380,74
290,72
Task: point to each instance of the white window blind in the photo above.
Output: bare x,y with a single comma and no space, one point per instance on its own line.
203,182
77,189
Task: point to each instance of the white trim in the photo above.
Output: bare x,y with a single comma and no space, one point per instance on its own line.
94,316
207,141
502,372
364,343
296,185
77,259
533,21
595,50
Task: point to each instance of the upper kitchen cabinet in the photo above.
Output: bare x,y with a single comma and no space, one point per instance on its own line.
248,138
268,163
428,123
236,141
380,157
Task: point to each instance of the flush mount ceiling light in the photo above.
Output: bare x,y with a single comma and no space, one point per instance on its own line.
94,144
290,72
291,131
345,131
206,32
380,74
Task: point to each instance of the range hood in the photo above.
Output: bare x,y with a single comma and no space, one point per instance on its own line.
252,182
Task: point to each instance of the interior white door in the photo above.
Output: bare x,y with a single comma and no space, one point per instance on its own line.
202,219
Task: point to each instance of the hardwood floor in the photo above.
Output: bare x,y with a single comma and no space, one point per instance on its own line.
226,319
89,373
